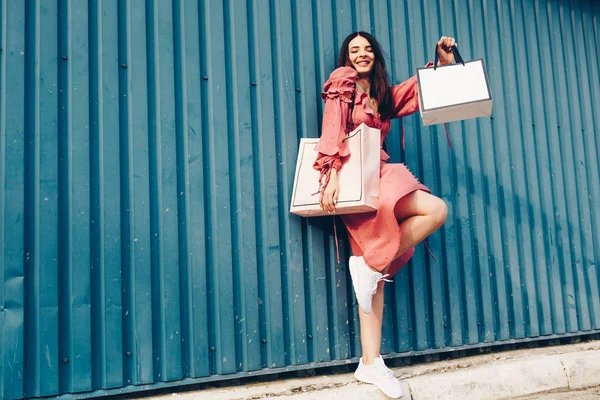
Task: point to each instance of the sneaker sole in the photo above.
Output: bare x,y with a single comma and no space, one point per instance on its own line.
364,379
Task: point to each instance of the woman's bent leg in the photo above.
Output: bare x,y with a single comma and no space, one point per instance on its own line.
420,214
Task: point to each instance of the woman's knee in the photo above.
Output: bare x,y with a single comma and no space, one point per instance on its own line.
440,211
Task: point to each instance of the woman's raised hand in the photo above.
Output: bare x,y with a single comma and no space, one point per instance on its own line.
444,49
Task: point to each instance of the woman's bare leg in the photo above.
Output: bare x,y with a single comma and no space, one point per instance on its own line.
370,327
421,214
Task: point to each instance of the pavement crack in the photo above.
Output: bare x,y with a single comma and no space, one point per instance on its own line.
562,362
295,391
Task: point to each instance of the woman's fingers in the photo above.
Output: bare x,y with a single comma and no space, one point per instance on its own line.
441,42
446,43
325,203
329,200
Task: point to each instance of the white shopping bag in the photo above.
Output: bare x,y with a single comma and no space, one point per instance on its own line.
454,92
358,177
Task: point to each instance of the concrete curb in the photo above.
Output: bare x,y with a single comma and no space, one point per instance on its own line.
582,370
492,377
493,382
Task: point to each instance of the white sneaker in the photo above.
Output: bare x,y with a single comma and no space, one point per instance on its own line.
364,281
381,376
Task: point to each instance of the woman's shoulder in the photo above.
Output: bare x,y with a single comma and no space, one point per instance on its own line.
343,73
343,78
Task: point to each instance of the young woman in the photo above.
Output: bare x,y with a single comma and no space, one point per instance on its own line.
383,241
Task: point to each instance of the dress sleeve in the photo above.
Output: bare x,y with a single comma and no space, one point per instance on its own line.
337,93
405,97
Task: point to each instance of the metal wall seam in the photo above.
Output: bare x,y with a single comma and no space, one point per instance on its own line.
182,194
117,368
96,252
65,203
3,167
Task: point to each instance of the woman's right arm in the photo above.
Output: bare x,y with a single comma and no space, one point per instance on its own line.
338,94
329,196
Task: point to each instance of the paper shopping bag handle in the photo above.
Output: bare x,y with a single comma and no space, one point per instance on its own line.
457,57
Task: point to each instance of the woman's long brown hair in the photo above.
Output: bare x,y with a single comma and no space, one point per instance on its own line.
380,86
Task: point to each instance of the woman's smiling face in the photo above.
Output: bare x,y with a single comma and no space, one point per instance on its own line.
361,56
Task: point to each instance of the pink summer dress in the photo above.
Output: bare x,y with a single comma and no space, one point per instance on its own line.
375,235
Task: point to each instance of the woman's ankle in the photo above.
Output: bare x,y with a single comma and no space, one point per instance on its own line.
369,360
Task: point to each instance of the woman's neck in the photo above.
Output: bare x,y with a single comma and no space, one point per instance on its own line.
364,84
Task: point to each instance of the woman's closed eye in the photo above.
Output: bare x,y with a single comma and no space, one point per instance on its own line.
356,49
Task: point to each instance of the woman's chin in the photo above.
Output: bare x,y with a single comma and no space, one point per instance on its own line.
363,72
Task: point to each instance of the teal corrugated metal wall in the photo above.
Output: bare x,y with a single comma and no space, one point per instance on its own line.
147,151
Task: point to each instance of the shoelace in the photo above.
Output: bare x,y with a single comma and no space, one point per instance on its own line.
376,282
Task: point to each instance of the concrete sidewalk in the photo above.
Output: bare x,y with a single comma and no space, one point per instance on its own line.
496,376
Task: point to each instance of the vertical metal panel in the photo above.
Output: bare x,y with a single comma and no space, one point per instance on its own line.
41,200
105,205
12,129
538,180
139,365
75,324
2,185
194,301
553,185
147,151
